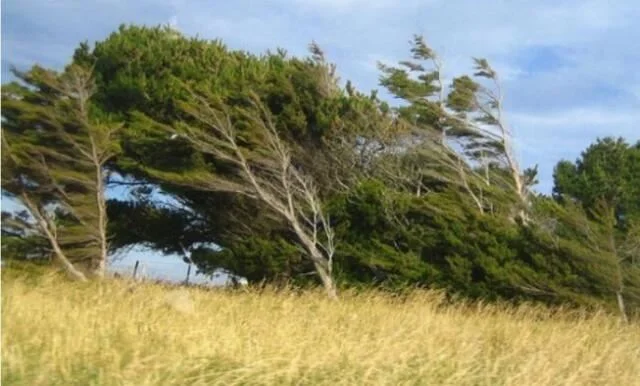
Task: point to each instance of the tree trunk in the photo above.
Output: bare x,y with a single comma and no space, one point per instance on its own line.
64,261
621,307
186,281
322,264
620,277
327,282
99,269
100,266
61,257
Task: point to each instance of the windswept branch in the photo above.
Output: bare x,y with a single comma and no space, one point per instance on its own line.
267,172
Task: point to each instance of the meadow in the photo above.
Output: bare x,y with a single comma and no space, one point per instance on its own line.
116,332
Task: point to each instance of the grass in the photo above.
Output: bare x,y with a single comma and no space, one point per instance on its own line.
55,332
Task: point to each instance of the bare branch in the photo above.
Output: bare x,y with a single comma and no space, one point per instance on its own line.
269,175
48,228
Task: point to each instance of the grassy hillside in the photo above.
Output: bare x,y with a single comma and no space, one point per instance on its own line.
59,333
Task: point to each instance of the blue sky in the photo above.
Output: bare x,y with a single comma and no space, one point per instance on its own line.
569,67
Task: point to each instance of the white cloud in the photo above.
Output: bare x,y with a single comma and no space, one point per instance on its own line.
593,89
340,6
173,21
578,117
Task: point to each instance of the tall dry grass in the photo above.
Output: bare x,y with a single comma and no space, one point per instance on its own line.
60,333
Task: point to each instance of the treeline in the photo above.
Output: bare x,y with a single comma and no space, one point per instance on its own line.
265,167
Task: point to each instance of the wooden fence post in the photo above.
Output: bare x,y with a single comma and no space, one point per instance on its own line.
135,269
188,274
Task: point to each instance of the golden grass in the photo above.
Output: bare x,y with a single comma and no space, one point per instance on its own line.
61,333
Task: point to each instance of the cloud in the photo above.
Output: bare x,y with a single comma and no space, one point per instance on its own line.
568,67
336,6
579,117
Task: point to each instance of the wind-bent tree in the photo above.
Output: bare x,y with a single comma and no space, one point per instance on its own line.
263,171
611,244
605,182
482,109
55,148
269,147
143,70
21,238
419,83
460,135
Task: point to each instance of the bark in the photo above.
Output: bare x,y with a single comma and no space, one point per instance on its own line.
327,282
621,306
271,179
101,263
48,230
610,219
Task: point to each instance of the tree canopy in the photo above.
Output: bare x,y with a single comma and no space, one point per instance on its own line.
266,167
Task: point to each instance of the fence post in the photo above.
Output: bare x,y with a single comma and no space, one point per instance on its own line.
188,274
135,269
187,259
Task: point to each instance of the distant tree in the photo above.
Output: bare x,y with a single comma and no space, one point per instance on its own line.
605,182
55,148
609,171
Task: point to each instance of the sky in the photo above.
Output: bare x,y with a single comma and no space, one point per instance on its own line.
569,68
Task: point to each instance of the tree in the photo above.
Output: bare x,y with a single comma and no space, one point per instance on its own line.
461,135
606,217
21,238
141,74
55,148
258,163
609,171
266,174
419,83
605,182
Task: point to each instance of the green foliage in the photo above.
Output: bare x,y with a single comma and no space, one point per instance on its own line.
21,239
55,146
390,237
158,71
605,183
271,260
607,170
408,208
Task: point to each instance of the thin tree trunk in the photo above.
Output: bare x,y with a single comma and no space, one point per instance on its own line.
620,278
100,266
102,230
58,253
135,270
621,307
327,282
188,274
322,264
475,198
